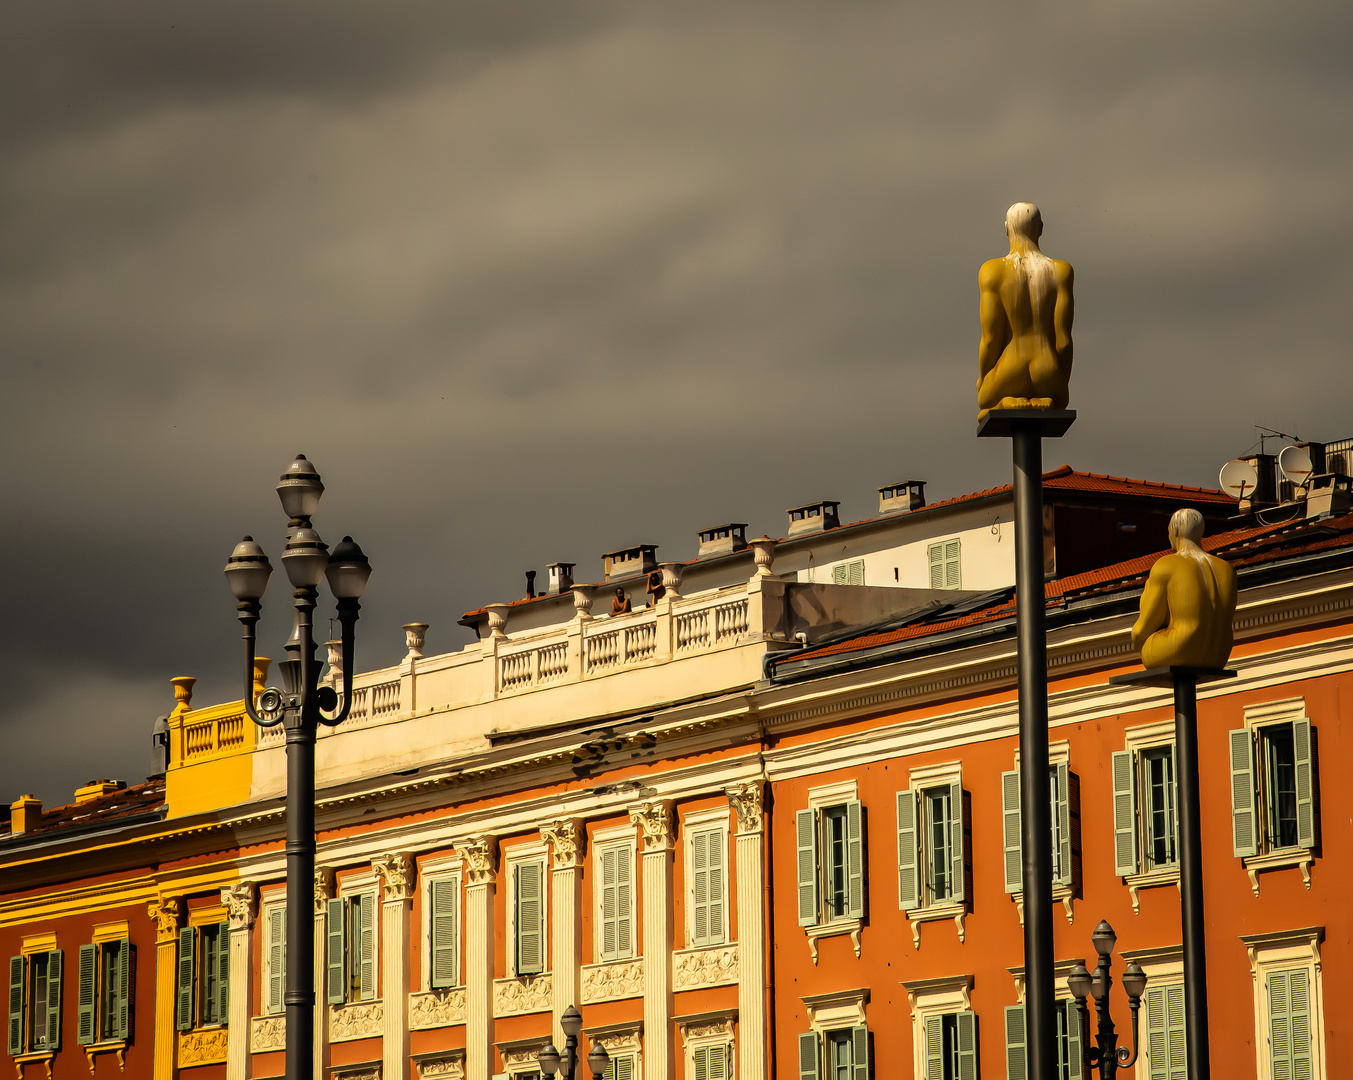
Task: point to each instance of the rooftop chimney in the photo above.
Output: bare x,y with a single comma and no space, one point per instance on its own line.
559,576
899,498
1266,493
24,813
94,789
813,517
723,539
530,584
630,561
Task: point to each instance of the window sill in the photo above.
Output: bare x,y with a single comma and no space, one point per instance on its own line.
1282,859
118,1047
1065,893
45,1056
1150,879
956,910
835,928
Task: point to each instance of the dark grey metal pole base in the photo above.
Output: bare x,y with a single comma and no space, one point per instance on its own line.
1026,429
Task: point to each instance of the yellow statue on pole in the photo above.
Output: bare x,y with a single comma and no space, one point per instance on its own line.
1188,604
1024,361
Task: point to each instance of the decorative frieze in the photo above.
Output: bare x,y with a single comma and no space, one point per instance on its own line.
202,1047
436,1008
481,859
621,1039
614,981
397,870
746,801
361,1072
449,1067
696,968
565,838
710,1026
524,994
267,1033
324,887
241,904
655,821
522,1055
357,1020
166,911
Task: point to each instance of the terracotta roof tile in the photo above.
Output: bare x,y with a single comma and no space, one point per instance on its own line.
123,803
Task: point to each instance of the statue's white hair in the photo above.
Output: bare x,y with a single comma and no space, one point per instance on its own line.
1186,524
1031,266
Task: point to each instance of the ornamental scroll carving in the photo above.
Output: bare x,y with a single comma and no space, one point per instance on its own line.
620,1040
359,1020
711,1028
397,871
611,982
166,911
202,1047
525,994
436,1008
528,1055
694,968
481,859
365,1072
324,887
746,801
443,1068
565,838
267,1033
655,821
241,904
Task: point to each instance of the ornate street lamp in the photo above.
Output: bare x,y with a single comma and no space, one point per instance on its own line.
300,707
1107,1055
552,1063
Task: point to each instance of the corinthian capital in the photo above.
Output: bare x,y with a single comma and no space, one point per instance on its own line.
655,819
565,838
241,904
481,859
324,887
746,801
166,911
397,869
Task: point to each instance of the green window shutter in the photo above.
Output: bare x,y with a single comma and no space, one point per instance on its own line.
126,981
718,857
1075,1053
1165,1033
1244,838
952,579
1011,832
859,1053
84,1028
530,925
223,972
855,897
624,901
809,1062
935,555
840,574
805,831
855,573
1289,1024
609,860
183,1012
967,1045
1065,874
55,967
908,885
621,1068
934,1048
700,1062
445,932
711,1062
16,966
1016,1055
958,828
277,929
336,967
1301,743
366,907
1124,813
700,888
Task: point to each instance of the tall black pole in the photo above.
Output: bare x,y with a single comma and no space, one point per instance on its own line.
1191,873
1035,795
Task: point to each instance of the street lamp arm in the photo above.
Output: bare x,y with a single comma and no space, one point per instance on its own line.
348,609
1126,1060
249,611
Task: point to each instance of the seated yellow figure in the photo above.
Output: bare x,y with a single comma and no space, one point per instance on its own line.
1189,602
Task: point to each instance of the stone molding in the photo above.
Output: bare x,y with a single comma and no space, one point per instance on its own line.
241,904
166,911
523,994
357,1020
397,871
655,822
267,1033
436,1008
360,1072
202,1047
613,981
526,1052
747,803
565,838
324,887
620,1038
481,859
449,1067
707,966
710,1026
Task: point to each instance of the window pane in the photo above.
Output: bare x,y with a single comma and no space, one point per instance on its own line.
1160,807
938,836
111,974
1056,825
38,1000
838,1055
1280,762
834,820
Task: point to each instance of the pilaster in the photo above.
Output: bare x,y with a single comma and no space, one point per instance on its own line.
481,871
397,870
241,904
746,800
166,911
324,891
655,822
565,838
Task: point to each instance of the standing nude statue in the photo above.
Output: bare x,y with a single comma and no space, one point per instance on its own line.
1188,603
1024,361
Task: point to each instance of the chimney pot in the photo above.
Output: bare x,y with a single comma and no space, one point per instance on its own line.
813,518
723,539
901,497
24,813
630,561
94,789
559,577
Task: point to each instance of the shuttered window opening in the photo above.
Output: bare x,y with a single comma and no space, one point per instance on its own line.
932,843
350,948
713,1062
1273,788
709,855
620,1067
529,916
1070,1043
1160,828
944,565
203,977
104,998
951,1046
444,900
1165,1056
275,922
1289,1024
616,929
35,1003
848,573
1064,794
830,863
838,1055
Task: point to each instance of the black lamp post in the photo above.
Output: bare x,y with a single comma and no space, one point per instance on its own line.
550,1061
1107,1055
300,707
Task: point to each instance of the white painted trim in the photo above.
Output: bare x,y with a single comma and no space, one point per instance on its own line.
624,833
627,840
265,909
441,870
834,794
929,997
715,821
511,859
701,818
932,776
837,1010
1282,951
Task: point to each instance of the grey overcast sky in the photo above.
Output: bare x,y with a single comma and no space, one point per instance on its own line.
530,281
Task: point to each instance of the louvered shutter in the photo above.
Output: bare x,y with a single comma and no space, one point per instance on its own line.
967,1045
335,967
277,931
609,860
530,928
840,574
85,999
55,972
1011,832
855,893
935,554
1289,1020
1016,1054
1165,1033
1301,743
624,902
934,1048
908,884
366,907
805,831
855,573
1075,1053
1124,813
700,888
809,1064
183,1011
16,966
951,565
445,932
958,828
859,1053
1243,833
126,984
1065,868
621,1068
718,887
222,973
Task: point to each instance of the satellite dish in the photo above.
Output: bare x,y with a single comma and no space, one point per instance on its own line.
1238,479
1295,462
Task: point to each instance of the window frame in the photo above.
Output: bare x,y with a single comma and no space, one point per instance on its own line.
353,896
1288,950
447,872
709,823
274,906
30,1005
535,856
123,995
199,1004
1127,782
850,572
945,561
622,839
915,890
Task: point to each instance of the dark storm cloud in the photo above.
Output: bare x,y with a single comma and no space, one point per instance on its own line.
530,281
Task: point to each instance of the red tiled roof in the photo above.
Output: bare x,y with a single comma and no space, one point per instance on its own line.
123,803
